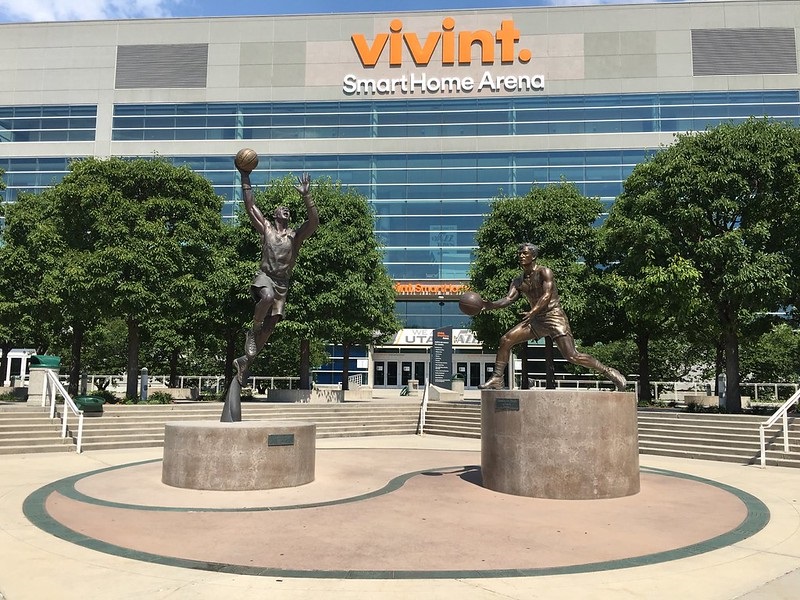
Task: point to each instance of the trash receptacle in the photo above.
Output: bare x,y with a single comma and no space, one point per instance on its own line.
45,361
90,405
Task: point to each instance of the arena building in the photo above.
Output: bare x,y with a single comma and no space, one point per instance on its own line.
428,114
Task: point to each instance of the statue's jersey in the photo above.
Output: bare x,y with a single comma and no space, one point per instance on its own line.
278,253
532,287
551,320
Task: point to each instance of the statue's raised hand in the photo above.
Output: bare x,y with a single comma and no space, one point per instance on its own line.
303,184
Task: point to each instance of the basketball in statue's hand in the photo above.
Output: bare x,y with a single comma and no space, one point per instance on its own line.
470,303
246,160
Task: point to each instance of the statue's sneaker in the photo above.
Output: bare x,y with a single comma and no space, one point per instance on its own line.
495,383
617,379
250,347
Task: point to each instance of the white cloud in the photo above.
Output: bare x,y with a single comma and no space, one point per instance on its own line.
78,10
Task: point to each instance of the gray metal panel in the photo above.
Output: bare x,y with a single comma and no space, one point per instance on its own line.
162,66
749,51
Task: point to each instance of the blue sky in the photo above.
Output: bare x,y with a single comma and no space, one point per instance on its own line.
72,10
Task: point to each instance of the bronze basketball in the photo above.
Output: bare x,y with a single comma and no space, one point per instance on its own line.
246,160
470,303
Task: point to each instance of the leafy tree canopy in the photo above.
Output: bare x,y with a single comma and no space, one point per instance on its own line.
137,236
726,200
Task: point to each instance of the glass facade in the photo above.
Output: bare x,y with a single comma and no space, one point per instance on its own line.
428,205
47,123
530,115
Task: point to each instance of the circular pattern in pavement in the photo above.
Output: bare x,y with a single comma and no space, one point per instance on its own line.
391,513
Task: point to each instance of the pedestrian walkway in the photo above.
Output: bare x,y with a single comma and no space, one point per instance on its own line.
392,517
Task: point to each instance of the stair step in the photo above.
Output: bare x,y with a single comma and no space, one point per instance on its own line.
705,436
28,449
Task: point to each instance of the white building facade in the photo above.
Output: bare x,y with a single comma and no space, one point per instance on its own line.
429,114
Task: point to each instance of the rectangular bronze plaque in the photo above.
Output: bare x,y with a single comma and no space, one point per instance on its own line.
506,404
280,439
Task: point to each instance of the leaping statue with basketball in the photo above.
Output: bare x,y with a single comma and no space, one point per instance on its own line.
544,318
280,246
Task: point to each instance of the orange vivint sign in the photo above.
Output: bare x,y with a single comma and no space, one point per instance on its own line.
429,289
452,44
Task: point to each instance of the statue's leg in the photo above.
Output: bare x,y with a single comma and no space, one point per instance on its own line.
265,298
519,333
265,331
566,345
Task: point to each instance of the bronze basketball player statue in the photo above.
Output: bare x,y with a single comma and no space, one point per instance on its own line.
280,246
544,318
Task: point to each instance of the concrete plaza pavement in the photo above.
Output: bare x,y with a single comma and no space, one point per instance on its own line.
35,564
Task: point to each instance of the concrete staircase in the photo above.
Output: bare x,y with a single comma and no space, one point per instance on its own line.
25,429
730,438
131,426
458,419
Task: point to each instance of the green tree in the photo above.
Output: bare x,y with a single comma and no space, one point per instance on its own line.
27,253
726,200
559,220
18,274
138,235
773,356
652,299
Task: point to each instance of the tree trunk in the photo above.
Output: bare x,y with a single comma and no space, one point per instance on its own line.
549,365
346,366
730,338
131,389
305,364
733,397
643,346
75,364
173,368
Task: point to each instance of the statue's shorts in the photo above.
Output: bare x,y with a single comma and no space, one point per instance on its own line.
553,323
279,288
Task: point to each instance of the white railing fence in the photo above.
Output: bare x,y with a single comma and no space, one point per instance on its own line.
781,413
754,393
578,384
53,387
205,384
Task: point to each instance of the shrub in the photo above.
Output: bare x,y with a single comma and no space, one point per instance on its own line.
106,395
9,397
159,398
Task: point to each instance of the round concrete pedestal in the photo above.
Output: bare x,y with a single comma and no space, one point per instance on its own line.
247,455
564,445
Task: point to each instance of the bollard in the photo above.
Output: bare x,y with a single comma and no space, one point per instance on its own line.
143,385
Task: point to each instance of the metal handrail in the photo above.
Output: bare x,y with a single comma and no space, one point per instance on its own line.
423,408
52,386
781,413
